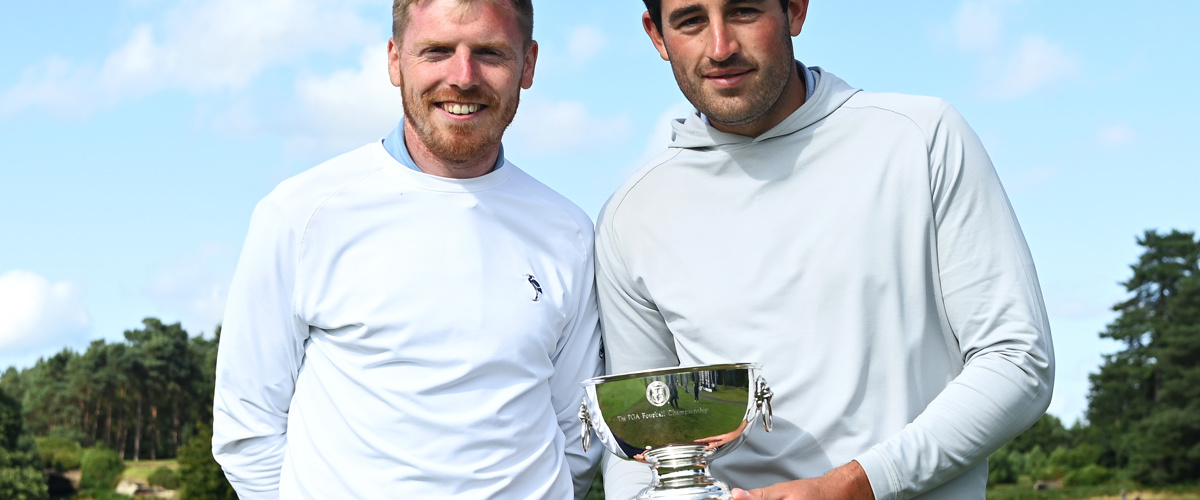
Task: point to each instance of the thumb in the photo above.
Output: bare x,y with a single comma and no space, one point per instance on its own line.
740,494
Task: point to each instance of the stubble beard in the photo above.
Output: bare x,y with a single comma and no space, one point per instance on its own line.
740,106
459,143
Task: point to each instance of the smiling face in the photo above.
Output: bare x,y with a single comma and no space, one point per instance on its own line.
733,59
460,67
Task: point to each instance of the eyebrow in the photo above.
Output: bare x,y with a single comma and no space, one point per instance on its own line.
687,10
682,12
497,46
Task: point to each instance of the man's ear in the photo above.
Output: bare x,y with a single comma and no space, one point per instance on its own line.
797,12
394,62
655,35
530,61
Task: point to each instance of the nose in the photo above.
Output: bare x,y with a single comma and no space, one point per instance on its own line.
462,72
724,43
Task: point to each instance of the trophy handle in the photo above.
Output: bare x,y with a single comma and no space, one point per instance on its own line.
762,398
585,433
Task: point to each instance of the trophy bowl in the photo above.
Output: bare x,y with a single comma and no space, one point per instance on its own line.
676,420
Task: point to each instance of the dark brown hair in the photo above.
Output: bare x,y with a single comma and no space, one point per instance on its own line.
654,7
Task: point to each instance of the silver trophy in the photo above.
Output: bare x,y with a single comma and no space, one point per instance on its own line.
676,420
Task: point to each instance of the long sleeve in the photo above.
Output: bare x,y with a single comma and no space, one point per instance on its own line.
578,359
259,357
636,337
993,306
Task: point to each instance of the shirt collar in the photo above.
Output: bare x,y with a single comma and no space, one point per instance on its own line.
395,146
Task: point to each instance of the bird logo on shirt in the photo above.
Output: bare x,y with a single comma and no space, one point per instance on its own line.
537,287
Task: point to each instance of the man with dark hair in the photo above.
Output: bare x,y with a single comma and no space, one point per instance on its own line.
858,245
413,319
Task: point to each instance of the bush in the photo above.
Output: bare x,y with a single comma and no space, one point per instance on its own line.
1088,475
1002,467
58,453
200,474
18,479
100,468
164,477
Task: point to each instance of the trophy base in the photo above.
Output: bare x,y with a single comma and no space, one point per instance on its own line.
715,492
681,473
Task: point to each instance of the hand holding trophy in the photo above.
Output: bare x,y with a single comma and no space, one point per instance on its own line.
641,416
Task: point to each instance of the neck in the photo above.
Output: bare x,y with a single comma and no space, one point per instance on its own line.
792,97
434,165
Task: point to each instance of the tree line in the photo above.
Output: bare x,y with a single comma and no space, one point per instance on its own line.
148,396
1143,416
141,397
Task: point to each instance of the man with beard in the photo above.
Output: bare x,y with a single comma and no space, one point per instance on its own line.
858,245
413,318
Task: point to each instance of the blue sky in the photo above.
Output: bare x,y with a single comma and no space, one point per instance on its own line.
137,135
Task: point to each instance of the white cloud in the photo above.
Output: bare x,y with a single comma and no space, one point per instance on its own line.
1036,64
344,109
1117,136
202,46
37,315
56,85
1008,72
585,43
195,286
977,24
547,127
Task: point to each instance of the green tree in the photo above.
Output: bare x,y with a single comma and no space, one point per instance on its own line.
47,398
1142,403
1165,446
1048,432
200,474
10,383
1003,464
166,373
20,469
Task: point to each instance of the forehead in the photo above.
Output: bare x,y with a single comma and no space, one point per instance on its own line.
455,20
669,6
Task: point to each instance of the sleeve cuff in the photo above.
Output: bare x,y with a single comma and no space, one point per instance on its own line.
880,473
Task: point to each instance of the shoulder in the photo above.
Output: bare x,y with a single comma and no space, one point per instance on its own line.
297,197
924,112
534,190
904,104
632,189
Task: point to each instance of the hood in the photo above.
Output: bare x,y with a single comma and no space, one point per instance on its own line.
694,132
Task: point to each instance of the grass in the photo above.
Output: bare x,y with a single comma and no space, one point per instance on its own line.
140,471
1103,492
638,423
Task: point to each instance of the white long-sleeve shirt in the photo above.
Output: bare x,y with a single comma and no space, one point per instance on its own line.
392,334
864,252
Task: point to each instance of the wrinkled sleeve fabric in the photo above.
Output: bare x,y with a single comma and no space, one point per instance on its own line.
993,306
577,359
636,337
259,357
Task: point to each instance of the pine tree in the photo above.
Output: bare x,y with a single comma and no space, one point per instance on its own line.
1140,398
